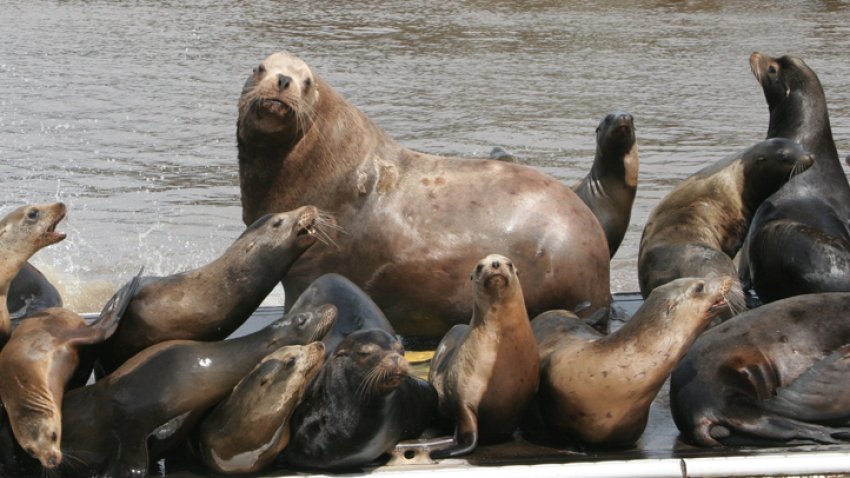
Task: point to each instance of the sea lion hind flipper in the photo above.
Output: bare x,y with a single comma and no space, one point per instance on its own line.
106,324
466,436
817,395
768,430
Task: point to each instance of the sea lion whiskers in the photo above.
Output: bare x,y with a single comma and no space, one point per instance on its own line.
324,222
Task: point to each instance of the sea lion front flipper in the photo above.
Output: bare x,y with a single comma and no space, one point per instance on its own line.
466,435
818,394
106,324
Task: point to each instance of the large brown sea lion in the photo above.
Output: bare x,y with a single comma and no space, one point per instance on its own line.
413,224
597,389
773,375
799,241
151,403
37,363
246,432
486,372
22,233
610,187
210,302
698,228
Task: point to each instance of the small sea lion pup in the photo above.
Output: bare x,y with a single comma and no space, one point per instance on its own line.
596,389
697,229
210,302
36,365
799,241
30,292
413,223
150,404
23,232
486,373
773,375
360,405
610,187
246,432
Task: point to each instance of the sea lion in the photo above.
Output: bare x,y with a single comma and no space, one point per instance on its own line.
30,292
413,223
499,154
697,229
246,432
772,375
486,372
355,310
210,302
610,187
362,402
151,403
597,389
799,240
38,361
22,233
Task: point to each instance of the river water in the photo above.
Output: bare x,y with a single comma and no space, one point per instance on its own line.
126,110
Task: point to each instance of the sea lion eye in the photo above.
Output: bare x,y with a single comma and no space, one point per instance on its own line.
277,223
771,69
290,362
32,214
479,268
53,437
308,82
699,288
260,69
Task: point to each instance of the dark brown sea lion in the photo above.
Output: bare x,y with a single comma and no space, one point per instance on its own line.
30,292
697,229
799,241
610,187
597,389
413,223
486,372
246,432
38,361
22,233
773,375
210,302
151,403
355,310
362,402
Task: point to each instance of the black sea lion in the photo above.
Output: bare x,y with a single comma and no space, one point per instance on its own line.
697,229
38,361
355,310
210,302
246,432
151,403
799,241
22,233
597,389
486,372
414,223
362,402
773,375
30,292
610,187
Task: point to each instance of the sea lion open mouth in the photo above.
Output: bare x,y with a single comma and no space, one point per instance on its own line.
276,106
51,234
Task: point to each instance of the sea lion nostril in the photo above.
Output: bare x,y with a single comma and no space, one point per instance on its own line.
283,81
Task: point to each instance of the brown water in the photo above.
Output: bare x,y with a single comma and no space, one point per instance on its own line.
127,110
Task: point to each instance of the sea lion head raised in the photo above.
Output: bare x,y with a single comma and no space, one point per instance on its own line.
307,326
298,230
278,96
700,299
493,279
32,227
